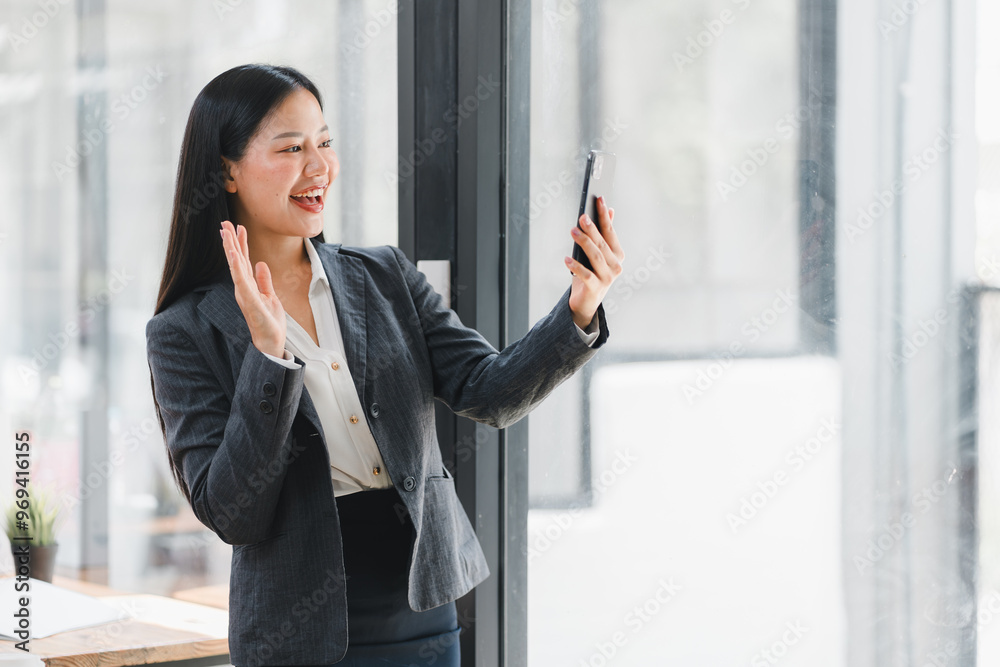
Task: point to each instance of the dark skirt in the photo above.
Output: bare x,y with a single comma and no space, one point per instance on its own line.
382,629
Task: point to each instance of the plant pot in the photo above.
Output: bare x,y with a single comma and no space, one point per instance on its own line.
41,560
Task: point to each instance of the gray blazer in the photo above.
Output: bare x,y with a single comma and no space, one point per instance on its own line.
248,442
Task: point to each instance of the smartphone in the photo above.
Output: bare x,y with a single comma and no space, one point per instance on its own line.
598,180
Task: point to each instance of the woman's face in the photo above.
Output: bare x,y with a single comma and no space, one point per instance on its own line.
280,185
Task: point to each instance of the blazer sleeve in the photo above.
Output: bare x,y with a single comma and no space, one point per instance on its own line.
224,449
479,382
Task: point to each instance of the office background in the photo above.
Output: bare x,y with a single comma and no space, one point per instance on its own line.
803,344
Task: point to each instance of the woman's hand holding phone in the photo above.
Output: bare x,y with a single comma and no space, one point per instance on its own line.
605,254
256,297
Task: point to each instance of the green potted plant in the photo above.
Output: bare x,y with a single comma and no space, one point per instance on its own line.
33,515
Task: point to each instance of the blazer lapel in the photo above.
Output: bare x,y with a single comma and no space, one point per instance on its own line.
347,283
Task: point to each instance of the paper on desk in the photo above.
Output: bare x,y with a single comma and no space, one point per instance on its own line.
52,608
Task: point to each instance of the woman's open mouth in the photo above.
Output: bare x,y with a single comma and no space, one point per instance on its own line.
310,200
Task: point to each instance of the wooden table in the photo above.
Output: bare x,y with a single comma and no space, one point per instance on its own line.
155,629
212,596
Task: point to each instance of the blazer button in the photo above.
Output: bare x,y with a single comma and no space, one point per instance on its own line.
354,419
266,407
335,365
409,483
269,389
374,410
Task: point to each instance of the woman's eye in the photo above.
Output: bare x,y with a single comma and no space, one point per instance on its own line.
297,148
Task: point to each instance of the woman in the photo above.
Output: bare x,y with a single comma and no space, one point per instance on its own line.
276,357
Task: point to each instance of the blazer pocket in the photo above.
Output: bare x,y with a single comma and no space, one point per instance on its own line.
441,474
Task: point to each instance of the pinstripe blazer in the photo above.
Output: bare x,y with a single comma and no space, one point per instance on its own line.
246,437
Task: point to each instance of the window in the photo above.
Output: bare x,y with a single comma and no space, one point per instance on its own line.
94,99
779,440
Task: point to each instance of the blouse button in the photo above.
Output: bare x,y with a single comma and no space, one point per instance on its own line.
354,419
335,365
376,470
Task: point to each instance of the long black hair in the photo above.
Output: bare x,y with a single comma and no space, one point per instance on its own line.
224,118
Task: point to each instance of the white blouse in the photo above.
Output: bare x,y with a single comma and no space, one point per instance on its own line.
356,462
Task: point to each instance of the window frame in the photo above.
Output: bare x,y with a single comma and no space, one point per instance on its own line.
462,121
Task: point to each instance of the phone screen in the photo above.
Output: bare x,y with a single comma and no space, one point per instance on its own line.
598,180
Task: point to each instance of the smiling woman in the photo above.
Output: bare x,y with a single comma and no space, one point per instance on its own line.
325,374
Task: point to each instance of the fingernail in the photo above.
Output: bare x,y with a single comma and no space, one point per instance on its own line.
567,260
222,234
574,231
586,221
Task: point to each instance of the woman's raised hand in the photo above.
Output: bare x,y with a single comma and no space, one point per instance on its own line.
254,292
606,256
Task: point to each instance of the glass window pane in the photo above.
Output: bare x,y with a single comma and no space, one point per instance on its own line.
787,435
93,106
987,208
688,478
